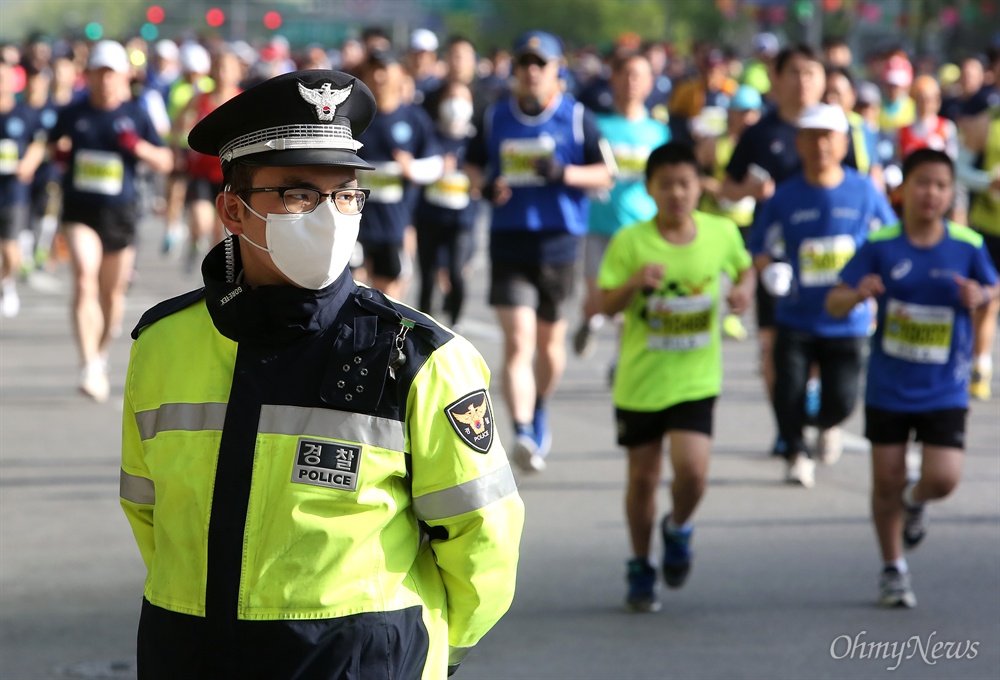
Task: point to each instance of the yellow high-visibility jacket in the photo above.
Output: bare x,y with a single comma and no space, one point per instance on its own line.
305,509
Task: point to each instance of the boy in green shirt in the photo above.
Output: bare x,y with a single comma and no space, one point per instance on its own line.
664,274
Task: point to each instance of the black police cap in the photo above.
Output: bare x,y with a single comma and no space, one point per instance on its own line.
301,118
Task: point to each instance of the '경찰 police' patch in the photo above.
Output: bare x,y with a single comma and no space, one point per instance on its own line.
472,418
327,463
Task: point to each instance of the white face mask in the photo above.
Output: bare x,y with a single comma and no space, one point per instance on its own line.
311,249
455,115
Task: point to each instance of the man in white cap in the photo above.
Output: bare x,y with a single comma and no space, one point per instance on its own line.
422,63
809,229
108,136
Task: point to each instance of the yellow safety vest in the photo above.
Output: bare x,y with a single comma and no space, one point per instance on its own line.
985,213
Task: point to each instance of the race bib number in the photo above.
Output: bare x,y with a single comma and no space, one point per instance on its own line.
518,156
679,324
918,333
98,172
385,182
451,191
8,156
631,161
821,259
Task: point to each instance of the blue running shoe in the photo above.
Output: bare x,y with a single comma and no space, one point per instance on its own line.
813,391
676,554
641,587
542,434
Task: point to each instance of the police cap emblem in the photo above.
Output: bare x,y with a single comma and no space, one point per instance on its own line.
472,418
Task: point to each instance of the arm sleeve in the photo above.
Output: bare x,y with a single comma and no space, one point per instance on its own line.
468,497
136,490
763,220
861,264
591,140
740,160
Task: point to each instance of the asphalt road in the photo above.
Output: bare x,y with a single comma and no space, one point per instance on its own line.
783,584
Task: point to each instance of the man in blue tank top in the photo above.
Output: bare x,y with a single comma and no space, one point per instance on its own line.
535,158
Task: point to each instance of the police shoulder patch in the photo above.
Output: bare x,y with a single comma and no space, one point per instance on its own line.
472,418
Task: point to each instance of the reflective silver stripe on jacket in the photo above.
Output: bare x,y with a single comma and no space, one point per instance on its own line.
383,433
136,489
187,417
466,497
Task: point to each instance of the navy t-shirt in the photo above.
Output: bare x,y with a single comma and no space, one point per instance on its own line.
19,127
770,143
99,171
923,342
390,207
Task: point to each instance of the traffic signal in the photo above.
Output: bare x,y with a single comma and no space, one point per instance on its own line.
272,20
155,14
215,17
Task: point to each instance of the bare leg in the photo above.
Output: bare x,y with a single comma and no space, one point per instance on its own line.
519,330
939,473
888,482
550,361
689,454
116,268
86,253
644,469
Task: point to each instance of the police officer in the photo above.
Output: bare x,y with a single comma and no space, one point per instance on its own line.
311,470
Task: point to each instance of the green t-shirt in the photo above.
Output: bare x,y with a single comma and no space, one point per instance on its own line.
670,350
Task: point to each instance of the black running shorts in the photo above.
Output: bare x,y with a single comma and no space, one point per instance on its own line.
637,427
936,428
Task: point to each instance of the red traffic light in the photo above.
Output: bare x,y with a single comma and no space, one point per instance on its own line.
272,20
155,14
215,17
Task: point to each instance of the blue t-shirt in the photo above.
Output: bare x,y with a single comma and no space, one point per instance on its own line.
390,207
541,222
19,127
821,229
923,343
99,171
631,142
446,203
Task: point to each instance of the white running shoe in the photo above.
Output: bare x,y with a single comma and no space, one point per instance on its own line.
10,303
94,381
526,454
801,470
894,589
829,445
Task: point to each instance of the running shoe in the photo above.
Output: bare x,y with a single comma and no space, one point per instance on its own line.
979,385
914,524
641,587
676,554
584,340
94,381
526,454
733,327
10,303
829,445
894,589
801,470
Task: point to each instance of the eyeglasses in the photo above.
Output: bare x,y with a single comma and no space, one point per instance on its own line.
526,60
298,200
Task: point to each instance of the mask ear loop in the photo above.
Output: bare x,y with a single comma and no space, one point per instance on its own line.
228,242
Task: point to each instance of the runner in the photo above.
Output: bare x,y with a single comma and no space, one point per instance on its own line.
928,275
664,274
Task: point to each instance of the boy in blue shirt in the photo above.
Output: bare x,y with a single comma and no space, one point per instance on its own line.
816,220
927,275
